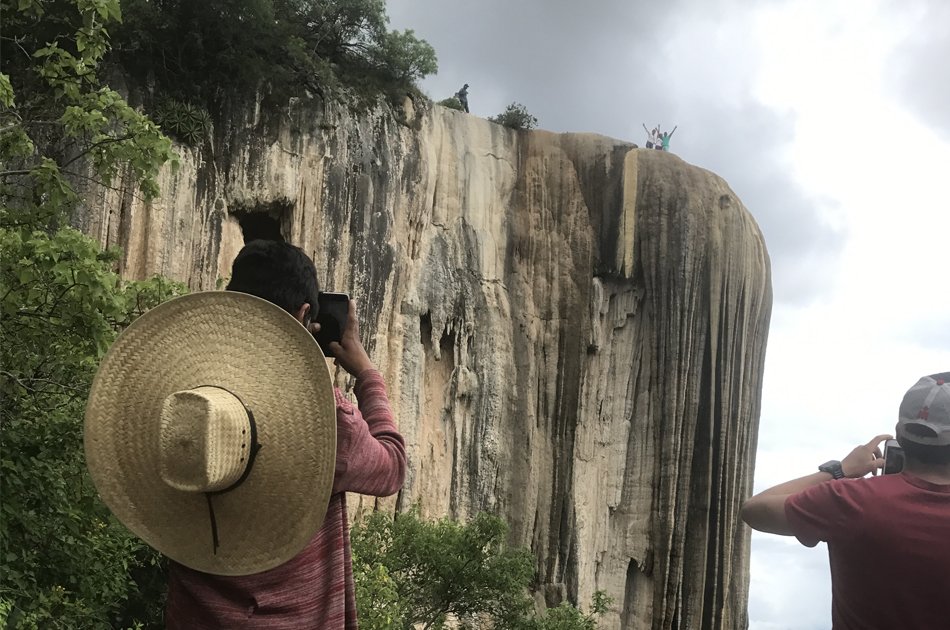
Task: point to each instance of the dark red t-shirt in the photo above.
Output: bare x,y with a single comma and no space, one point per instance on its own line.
889,549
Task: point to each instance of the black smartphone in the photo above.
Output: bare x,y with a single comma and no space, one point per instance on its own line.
332,311
893,457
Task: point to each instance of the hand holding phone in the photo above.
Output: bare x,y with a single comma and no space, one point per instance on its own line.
332,313
893,457
349,352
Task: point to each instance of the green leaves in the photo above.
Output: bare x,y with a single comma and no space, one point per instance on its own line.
57,117
188,123
413,573
211,53
6,91
67,562
515,116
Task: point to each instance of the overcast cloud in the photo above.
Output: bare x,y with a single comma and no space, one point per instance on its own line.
830,119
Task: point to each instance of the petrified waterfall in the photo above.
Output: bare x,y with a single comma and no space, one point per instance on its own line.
572,329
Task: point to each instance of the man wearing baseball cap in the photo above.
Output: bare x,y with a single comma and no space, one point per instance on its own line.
888,536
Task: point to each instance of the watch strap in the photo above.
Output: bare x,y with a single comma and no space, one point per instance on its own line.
833,468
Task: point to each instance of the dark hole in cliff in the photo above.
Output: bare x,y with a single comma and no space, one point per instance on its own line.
447,346
632,585
425,331
263,221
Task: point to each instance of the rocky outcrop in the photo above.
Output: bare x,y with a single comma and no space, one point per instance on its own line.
573,329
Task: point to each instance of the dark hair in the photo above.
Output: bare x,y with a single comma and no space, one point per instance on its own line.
926,454
278,272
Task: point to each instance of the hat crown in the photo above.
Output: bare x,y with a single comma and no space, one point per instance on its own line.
925,411
204,439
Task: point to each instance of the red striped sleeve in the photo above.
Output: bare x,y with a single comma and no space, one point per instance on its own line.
371,454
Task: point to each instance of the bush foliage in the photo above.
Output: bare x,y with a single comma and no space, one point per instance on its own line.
412,573
515,116
452,103
67,562
209,52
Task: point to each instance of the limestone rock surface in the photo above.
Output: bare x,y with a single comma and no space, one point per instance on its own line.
572,329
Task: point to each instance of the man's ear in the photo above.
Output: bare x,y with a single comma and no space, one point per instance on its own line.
303,313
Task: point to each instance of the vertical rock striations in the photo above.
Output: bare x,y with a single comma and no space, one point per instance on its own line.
573,329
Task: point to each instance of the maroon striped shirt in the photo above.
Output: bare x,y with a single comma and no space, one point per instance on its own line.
314,590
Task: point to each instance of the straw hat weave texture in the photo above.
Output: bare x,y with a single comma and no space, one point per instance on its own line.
216,352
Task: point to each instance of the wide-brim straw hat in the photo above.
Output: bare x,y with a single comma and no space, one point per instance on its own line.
210,432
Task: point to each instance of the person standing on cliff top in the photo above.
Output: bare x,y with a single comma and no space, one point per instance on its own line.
213,431
462,96
665,139
888,536
652,136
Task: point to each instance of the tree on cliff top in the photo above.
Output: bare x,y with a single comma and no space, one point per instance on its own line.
213,51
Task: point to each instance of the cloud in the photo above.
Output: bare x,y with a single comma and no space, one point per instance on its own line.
918,67
778,562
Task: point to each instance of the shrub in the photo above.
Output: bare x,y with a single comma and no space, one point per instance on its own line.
452,103
189,124
410,572
515,116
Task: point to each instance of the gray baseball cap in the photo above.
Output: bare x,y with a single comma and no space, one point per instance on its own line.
925,412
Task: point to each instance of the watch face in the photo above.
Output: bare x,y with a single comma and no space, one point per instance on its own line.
833,468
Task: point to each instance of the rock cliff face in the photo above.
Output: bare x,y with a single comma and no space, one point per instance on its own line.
573,329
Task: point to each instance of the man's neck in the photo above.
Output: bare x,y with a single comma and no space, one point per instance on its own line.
934,473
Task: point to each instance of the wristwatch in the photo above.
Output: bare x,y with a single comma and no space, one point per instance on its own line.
833,468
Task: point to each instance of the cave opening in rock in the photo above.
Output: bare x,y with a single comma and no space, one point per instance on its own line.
264,220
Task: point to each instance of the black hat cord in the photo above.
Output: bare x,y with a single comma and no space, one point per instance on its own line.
252,455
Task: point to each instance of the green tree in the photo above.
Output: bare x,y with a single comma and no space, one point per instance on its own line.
209,53
67,562
515,116
441,569
413,573
55,114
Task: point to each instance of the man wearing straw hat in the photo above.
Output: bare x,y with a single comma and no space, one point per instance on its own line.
214,433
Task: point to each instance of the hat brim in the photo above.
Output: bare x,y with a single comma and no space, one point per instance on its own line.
261,354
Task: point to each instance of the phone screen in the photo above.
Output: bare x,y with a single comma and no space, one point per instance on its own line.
893,457
331,315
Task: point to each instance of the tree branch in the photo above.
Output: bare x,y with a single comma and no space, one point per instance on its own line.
94,146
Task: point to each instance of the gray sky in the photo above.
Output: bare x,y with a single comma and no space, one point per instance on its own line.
831,121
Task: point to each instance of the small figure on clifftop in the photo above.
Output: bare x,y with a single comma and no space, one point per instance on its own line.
462,96
652,136
665,139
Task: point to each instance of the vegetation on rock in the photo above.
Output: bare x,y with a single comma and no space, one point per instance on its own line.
452,103
515,116
413,573
207,53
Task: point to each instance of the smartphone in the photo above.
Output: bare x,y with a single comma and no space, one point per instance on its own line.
332,312
893,457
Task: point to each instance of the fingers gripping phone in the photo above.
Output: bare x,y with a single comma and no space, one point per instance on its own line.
893,457
332,312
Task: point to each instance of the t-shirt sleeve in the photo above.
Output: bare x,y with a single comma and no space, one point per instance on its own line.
371,453
824,512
